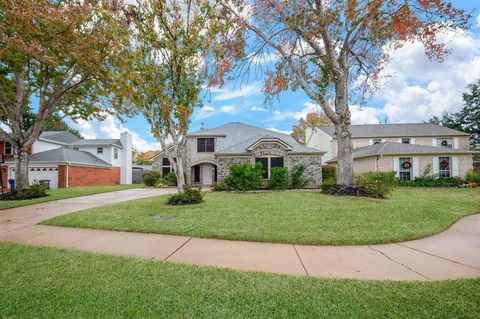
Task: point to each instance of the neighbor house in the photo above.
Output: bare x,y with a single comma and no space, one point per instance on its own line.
210,152
62,160
411,150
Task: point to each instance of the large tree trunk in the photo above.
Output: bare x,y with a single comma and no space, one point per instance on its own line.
343,133
180,174
21,170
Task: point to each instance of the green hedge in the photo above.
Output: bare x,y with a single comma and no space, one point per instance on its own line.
433,181
150,178
297,180
244,177
278,178
377,184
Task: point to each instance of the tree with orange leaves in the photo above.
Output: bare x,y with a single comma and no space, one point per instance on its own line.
61,52
335,49
311,120
175,46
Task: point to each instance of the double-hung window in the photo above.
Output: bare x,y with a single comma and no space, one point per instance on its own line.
444,166
405,169
405,140
99,150
166,167
205,145
445,142
8,148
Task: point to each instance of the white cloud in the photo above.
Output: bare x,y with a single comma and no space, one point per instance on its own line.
420,88
247,90
112,128
477,24
366,115
265,58
209,111
228,109
258,109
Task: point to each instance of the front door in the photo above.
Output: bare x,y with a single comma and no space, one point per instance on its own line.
207,172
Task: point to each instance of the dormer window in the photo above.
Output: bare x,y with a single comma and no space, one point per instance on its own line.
205,145
376,141
8,149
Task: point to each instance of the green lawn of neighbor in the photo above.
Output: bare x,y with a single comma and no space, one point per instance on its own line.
291,217
54,283
62,193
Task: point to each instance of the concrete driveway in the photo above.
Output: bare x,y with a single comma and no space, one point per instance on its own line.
453,254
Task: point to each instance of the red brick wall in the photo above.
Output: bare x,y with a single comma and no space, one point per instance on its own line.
9,157
88,176
4,170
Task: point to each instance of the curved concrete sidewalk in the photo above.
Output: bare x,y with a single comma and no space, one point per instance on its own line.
452,254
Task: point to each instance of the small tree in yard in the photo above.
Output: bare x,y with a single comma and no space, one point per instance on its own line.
169,60
328,48
60,52
311,120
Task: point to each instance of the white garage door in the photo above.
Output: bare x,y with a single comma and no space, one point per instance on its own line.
37,174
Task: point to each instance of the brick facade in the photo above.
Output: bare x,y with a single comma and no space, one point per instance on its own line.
79,176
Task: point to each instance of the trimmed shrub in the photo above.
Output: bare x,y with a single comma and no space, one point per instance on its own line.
377,184
329,172
35,191
472,177
191,195
150,177
278,178
433,181
171,178
327,183
244,177
161,183
219,187
296,177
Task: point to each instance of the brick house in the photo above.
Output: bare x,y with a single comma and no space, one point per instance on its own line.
210,152
65,160
411,150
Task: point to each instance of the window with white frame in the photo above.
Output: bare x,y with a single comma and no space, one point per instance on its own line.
444,166
8,149
99,150
405,140
115,153
445,142
405,169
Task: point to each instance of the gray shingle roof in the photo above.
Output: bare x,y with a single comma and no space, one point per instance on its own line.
391,148
396,130
66,155
236,137
62,137
97,141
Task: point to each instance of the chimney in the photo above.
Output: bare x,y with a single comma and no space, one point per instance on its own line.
203,127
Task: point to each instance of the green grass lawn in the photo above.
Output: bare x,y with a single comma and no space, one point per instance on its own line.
290,217
53,283
62,193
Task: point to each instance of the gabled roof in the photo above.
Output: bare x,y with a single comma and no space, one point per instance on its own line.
391,148
67,138
61,137
237,137
97,141
66,155
396,130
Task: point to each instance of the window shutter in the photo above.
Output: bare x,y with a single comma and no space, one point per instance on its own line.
435,165
400,140
455,142
396,165
455,171
434,141
370,141
412,140
416,167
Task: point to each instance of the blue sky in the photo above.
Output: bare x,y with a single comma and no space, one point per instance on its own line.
416,90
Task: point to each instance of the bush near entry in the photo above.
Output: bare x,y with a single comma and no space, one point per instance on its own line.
278,178
150,177
244,177
191,195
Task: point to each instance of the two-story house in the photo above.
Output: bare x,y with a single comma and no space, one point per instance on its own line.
409,149
210,152
64,160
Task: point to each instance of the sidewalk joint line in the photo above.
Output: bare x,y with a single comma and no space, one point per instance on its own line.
397,262
301,262
178,249
444,258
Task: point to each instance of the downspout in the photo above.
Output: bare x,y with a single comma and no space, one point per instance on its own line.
67,173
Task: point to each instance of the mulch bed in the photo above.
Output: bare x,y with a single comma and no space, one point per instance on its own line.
341,190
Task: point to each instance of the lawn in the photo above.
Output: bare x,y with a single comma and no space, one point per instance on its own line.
290,217
62,193
47,283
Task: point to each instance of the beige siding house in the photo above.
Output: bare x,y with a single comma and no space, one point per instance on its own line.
411,150
210,152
